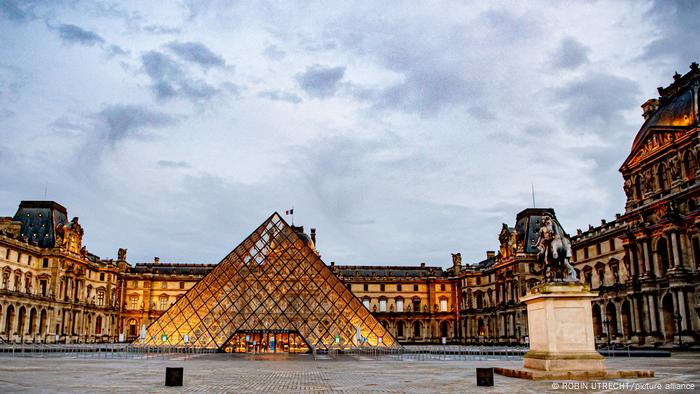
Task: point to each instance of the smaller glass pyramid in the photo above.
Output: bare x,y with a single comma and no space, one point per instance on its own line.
271,293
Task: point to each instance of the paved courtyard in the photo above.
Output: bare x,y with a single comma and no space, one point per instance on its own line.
224,373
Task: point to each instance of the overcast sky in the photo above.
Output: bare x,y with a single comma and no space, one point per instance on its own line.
402,134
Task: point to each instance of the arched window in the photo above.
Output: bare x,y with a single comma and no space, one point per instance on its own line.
98,325
399,329
689,165
132,327
638,187
417,330
662,251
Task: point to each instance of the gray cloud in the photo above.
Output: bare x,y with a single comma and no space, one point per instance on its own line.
76,34
173,164
320,81
196,52
121,121
570,54
672,44
159,29
274,52
169,80
278,95
597,99
15,11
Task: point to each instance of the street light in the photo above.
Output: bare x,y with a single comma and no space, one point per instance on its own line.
678,318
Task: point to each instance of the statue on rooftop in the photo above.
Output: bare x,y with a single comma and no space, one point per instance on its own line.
554,252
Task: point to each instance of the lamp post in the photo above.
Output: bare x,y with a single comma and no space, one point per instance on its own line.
606,321
678,318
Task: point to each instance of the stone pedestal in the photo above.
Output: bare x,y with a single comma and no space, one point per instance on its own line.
562,343
560,325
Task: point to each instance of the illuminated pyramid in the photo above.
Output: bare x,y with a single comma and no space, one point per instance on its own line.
272,292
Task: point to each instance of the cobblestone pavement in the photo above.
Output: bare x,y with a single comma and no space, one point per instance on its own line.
239,374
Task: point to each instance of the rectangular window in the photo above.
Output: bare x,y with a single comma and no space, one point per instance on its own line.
102,276
101,298
398,287
415,287
381,287
164,285
442,287
443,305
612,244
365,302
163,304
585,252
365,287
382,305
399,305
7,254
598,249
29,260
19,256
478,280
135,284
134,302
182,285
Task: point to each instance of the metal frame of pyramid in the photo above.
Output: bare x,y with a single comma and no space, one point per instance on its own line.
273,280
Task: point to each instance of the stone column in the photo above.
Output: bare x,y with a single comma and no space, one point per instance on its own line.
620,325
645,256
682,309
630,259
652,313
674,249
634,309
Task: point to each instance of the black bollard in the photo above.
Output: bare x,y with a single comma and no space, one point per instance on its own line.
173,376
484,376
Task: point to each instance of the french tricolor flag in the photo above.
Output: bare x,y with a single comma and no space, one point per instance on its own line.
289,212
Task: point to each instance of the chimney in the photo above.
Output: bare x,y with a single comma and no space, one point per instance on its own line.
313,235
156,260
649,108
422,265
490,254
618,216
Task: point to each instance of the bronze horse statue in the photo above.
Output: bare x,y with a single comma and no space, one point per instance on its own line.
554,252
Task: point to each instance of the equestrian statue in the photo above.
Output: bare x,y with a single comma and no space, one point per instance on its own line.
554,251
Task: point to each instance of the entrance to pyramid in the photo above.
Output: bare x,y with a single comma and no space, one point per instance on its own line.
266,341
272,293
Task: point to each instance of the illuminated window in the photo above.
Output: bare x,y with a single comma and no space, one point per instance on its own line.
100,297
163,303
164,285
134,302
443,305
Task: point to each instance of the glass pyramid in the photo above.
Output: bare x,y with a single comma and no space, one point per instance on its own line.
273,287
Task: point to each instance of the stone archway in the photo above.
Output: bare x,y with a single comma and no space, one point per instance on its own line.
626,312
9,320
597,321
667,312
611,315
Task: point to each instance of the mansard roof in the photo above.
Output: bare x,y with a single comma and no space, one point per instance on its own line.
365,271
39,221
675,109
